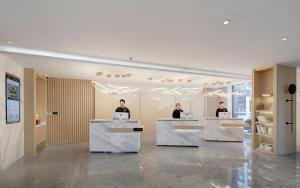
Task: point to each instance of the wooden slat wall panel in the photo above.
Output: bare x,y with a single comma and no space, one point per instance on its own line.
74,100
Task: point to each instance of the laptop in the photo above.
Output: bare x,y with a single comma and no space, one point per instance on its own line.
186,115
224,115
120,115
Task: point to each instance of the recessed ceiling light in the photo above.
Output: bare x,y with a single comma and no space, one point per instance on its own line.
9,42
226,22
102,54
285,38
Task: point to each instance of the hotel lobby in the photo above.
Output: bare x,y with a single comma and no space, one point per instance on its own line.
140,93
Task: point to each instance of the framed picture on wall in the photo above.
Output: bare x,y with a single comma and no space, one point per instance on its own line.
12,95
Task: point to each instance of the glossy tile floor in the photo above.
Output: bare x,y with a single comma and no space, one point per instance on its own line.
214,164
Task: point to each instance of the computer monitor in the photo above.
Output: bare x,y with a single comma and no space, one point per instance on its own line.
120,115
224,115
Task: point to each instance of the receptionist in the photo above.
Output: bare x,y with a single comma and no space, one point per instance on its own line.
123,108
221,108
177,111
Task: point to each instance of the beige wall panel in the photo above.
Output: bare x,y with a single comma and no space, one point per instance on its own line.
11,135
74,100
286,138
29,114
298,109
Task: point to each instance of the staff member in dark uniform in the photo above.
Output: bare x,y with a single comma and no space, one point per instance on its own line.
221,108
122,108
177,111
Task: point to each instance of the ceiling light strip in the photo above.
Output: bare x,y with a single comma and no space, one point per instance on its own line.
114,62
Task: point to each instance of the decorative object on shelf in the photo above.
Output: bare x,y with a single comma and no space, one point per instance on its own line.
267,95
266,147
261,119
261,106
37,119
292,91
269,106
270,131
258,129
263,130
268,92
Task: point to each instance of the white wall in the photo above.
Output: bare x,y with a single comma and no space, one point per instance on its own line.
298,109
12,135
146,109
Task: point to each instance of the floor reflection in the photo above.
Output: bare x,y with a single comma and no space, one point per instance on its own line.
213,164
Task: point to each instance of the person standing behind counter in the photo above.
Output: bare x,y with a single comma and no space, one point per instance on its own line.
122,108
221,108
177,111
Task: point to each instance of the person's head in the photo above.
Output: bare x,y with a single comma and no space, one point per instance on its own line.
221,105
122,102
178,106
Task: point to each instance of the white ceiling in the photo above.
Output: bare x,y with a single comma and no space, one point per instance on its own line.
180,32
78,70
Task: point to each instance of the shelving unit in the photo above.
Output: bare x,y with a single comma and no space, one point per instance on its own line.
263,101
268,95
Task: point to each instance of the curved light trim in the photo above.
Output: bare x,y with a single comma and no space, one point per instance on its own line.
124,63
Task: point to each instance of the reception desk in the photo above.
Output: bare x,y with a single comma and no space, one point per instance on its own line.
115,136
216,129
178,132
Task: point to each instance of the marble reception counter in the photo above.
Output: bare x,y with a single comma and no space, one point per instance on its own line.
178,132
115,136
217,129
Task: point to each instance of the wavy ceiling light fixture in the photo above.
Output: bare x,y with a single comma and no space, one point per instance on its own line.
177,91
222,93
113,90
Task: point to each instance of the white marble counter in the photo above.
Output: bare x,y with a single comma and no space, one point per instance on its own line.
215,118
178,132
217,129
176,119
114,136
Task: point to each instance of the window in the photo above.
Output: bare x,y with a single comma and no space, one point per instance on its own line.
241,101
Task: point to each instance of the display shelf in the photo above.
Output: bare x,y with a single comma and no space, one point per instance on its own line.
265,135
263,100
269,94
264,111
264,151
